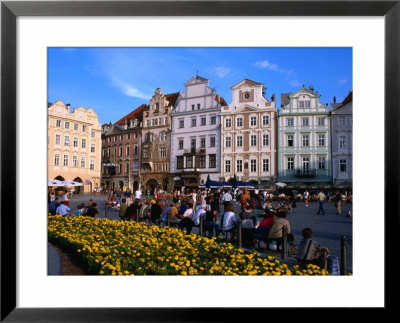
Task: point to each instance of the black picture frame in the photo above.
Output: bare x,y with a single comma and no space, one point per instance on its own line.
10,10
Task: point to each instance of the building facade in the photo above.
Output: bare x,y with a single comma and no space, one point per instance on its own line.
156,142
121,150
342,140
304,145
248,134
195,142
74,146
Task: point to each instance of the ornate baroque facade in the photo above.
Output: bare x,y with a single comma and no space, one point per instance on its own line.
248,134
304,144
156,141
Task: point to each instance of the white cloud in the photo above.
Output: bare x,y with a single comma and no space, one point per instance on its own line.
290,75
129,89
342,82
221,71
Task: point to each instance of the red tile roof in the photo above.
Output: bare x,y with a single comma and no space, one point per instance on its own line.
221,100
135,114
172,97
348,98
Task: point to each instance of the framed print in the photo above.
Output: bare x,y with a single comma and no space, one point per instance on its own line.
29,28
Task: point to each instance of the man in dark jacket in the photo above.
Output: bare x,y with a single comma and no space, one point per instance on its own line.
156,211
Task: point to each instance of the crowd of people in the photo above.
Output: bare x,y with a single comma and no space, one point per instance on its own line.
261,217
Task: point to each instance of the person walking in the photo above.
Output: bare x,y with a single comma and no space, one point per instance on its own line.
338,200
306,196
321,198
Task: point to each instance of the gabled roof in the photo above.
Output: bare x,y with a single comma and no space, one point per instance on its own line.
135,114
115,129
304,89
246,81
196,79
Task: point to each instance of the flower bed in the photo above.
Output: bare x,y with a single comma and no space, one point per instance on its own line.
128,248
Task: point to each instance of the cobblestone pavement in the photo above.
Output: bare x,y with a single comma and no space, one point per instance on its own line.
327,229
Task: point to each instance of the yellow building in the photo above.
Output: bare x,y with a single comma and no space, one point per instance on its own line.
74,145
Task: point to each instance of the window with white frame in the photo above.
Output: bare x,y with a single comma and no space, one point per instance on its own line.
227,166
84,128
239,141
120,151
92,164
212,141
75,161
193,107
93,134
265,140
189,161
304,122
58,123
290,122
56,159
198,106
239,122
58,139
202,161
153,122
213,119
239,165
180,144
83,143
76,126
321,121
76,141
92,148
203,121
306,140
253,140
181,123
179,162
147,123
342,165
265,165
65,162
228,142
321,162
145,152
163,152
66,141
253,165
212,162
290,141
342,141
303,104
290,163
193,122
321,140
228,123
127,151
253,121
83,162
66,124
265,120
202,142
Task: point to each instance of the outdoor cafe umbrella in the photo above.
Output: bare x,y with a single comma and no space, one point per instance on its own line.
72,183
322,185
54,182
279,184
212,184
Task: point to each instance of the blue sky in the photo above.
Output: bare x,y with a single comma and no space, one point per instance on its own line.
115,81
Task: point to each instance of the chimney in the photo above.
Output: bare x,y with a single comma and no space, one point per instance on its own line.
68,107
334,99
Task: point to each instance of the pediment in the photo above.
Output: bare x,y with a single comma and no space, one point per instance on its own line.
196,80
246,82
246,108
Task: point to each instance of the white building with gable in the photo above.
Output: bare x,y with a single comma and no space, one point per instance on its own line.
195,137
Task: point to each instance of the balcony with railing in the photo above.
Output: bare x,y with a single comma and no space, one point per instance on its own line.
306,172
